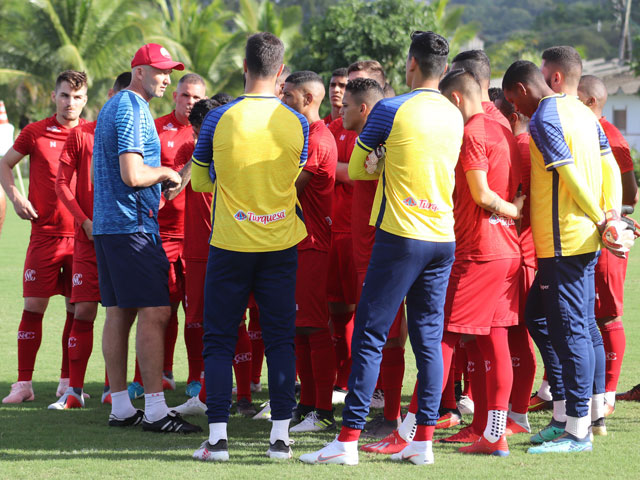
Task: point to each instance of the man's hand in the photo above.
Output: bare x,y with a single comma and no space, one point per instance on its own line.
87,226
171,186
375,160
24,209
518,201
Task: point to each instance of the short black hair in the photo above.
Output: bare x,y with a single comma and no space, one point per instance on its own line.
475,61
191,78
122,81
304,76
430,51
522,71
339,72
567,59
389,91
460,79
495,93
222,98
200,110
373,68
264,53
365,89
506,108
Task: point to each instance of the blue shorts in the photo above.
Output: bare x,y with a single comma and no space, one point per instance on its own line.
133,270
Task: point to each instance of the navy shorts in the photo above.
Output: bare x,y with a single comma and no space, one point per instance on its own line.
133,270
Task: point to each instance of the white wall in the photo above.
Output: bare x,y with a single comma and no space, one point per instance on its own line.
632,104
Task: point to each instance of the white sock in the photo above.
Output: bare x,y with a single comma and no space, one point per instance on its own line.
559,411
521,419
610,398
496,425
597,406
217,431
121,405
155,406
407,428
349,447
578,426
544,392
280,431
422,447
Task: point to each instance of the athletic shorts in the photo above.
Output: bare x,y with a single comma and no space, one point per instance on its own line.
397,326
610,274
173,247
196,271
47,267
85,286
482,295
342,280
133,270
311,298
526,280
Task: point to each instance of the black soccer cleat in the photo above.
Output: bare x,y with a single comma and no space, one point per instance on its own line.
131,421
171,423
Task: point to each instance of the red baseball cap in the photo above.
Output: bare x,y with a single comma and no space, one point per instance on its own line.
155,55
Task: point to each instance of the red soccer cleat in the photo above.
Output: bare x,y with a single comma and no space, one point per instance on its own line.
632,395
514,428
392,443
465,435
536,403
448,420
482,446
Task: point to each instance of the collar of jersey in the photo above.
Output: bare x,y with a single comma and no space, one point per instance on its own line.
425,90
257,95
555,95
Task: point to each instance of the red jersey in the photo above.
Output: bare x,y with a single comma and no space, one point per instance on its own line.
317,197
482,235
343,194
327,120
619,146
526,238
173,135
491,110
197,215
75,167
43,142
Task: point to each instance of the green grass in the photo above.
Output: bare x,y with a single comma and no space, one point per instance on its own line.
37,443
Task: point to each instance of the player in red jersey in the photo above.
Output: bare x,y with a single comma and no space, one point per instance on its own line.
337,84
75,189
611,270
523,356
48,263
487,252
315,357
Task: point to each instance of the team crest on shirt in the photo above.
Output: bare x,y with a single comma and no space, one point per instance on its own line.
410,202
77,279
170,127
496,219
328,220
29,275
240,216
53,128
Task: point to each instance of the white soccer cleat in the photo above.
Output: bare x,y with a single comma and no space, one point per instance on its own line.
418,453
256,387
193,406
314,423
465,405
336,452
338,396
265,413
280,450
20,392
69,400
212,453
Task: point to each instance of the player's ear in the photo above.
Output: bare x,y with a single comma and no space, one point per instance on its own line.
175,95
522,90
456,98
53,96
513,119
244,65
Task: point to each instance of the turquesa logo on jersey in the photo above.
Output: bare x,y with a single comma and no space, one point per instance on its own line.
263,219
240,216
409,201
499,219
29,275
77,279
422,204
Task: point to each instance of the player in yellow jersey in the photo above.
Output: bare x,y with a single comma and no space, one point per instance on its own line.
414,245
251,150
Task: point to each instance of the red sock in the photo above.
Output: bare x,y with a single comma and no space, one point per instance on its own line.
137,376
64,367
476,371
324,368
424,433
342,334
614,345
193,341
499,373
29,339
413,405
523,363
257,345
170,336
80,347
202,396
305,371
448,399
349,434
242,363
392,373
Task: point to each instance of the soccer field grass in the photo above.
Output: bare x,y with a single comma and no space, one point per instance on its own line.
37,443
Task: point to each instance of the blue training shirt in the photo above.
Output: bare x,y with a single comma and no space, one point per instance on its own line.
124,125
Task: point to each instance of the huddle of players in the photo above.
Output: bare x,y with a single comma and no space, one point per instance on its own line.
491,236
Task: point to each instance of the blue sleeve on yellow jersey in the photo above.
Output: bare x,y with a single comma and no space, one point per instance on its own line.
547,134
605,148
305,133
203,153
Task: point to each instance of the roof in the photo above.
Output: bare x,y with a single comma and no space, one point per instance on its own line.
617,76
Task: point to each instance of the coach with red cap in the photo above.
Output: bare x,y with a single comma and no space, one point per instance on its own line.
132,266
